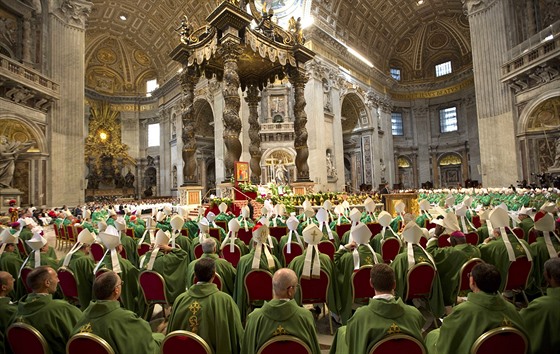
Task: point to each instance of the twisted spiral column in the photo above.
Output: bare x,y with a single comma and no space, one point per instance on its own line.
253,98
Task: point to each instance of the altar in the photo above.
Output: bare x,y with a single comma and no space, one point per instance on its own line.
410,200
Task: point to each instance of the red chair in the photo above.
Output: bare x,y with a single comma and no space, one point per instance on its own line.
423,242
429,225
258,286
443,241
58,236
374,227
79,228
476,221
361,288
222,224
68,285
278,231
184,342
129,232
71,234
245,236
390,248
63,235
398,343
88,343
284,344
25,339
21,249
327,247
342,228
518,232
217,280
215,232
153,288
97,250
24,273
185,232
419,280
518,274
315,291
232,257
198,251
472,238
143,249
501,340
464,286
297,250
123,253
533,234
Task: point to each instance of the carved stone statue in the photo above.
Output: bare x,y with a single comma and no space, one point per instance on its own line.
129,180
9,151
280,174
557,154
331,170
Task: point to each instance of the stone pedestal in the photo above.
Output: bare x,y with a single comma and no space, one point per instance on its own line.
301,188
190,195
6,194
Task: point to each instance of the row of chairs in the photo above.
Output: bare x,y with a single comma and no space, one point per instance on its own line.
24,339
66,235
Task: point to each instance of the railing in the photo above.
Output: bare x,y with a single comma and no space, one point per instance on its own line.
30,78
535,50
277,127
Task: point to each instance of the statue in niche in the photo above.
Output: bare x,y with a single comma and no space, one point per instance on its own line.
280,174
331,169
9,151
119,180
129,180
556,154
174,177
327,105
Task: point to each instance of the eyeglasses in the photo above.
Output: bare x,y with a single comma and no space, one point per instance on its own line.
120,284
293,287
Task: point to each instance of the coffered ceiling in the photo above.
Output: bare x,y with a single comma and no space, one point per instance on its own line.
122,53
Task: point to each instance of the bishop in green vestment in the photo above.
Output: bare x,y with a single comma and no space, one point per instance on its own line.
7,307
122,329
484,310
542,316
53,318
280,316
208,312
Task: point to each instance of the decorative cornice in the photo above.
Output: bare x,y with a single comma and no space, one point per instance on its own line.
432,93
475,7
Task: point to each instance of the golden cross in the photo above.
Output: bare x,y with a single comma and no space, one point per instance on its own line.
394,329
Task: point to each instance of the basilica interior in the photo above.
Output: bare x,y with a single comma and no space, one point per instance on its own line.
146,96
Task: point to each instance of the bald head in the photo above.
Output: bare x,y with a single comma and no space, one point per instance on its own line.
284,284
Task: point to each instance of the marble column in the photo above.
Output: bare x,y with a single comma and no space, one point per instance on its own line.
230,52
190,175
253,98
490,31
66,124
298,78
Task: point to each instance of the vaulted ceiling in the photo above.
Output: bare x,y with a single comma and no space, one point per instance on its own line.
122,54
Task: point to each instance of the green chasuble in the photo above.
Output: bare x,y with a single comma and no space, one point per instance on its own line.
45,261
482,233
53,318
210,313
184,242
244,267
11,262
131,295
378,319
173,268
541,255
449,261
223,268
122,329
377,240
526,225
131,248
195,242
25,235
542,320
344,263
495,252
400,266
82,266
7,310
480,313
275,318
328,267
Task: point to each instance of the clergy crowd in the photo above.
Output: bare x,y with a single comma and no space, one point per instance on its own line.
209,261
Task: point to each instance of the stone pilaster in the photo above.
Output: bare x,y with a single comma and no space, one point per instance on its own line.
66,124
489,33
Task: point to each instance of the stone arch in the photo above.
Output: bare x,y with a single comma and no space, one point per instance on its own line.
525,116
275,156
21,129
